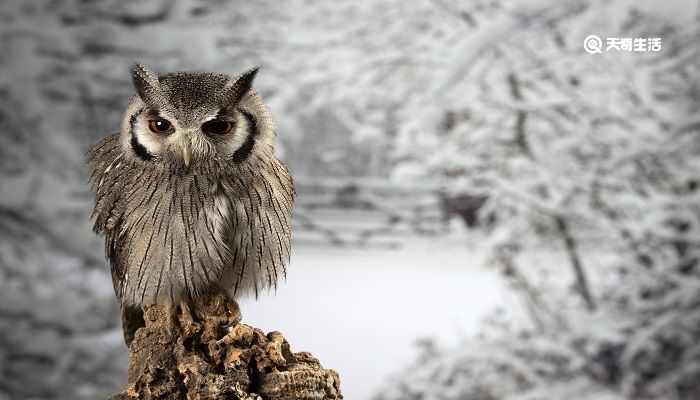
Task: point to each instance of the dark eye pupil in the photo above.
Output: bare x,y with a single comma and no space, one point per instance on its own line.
159,125
217,127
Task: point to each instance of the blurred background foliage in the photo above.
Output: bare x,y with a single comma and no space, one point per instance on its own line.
482,125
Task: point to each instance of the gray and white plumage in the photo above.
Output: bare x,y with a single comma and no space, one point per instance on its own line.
190,211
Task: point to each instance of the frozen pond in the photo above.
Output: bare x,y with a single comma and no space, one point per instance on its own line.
360,311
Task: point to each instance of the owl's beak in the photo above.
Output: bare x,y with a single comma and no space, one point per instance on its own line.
186,155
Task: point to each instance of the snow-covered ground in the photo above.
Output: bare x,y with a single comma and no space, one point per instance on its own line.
361,311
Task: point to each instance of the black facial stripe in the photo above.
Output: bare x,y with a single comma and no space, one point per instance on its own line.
244,151
138,148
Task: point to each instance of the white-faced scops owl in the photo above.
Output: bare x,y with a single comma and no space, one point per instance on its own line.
190,197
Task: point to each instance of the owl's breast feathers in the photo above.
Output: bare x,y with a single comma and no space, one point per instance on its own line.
223,226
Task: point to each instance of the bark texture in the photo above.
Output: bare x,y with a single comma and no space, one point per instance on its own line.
177,357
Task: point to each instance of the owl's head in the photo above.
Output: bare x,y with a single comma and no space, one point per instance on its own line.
181,119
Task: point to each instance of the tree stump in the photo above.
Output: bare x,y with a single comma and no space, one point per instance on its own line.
203,358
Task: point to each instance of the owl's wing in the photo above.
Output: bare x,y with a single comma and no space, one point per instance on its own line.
108,179
104,161
101,160
260,235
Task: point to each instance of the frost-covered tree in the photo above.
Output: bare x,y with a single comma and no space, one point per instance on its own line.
592,160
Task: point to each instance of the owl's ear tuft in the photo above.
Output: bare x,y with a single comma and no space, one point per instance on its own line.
146,83
234,92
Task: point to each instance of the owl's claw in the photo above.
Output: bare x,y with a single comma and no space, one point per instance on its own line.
186,313
172,325
187,320
180,319
233,312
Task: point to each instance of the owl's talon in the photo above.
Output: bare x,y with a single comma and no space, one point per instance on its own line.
172,325
228,328
233,312
188,321
187,318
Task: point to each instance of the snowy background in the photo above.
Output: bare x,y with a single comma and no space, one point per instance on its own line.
485,210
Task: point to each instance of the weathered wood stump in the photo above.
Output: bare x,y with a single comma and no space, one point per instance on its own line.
203,358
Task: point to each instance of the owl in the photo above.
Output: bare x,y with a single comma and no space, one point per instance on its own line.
189,195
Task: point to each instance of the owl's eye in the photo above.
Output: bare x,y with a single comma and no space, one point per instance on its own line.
217,127
160,126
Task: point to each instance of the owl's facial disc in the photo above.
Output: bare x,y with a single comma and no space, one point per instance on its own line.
185,118
158,136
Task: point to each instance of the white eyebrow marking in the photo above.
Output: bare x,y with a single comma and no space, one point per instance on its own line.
210,117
